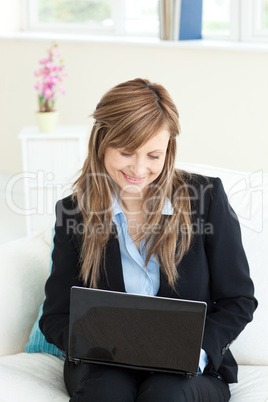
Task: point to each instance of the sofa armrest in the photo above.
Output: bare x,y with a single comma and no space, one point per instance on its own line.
24,266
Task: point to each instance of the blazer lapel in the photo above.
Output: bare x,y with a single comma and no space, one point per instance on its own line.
165,290
112,277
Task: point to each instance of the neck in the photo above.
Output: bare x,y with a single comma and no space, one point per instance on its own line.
132,202
132,205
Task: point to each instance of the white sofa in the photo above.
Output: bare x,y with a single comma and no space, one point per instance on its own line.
24,264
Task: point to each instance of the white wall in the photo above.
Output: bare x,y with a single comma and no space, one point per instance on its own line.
221,95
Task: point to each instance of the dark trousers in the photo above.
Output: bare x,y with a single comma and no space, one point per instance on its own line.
100,383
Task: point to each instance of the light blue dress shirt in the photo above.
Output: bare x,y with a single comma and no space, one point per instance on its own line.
138,278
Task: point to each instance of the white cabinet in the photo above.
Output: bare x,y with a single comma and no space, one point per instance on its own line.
51,163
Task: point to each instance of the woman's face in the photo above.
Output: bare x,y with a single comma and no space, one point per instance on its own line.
133,172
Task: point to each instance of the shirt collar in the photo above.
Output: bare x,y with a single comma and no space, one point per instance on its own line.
168,209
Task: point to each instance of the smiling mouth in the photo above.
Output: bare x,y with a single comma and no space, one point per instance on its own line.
133,179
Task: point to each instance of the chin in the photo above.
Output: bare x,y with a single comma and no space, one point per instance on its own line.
132,190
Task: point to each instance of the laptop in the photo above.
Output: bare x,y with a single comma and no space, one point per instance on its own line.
135,331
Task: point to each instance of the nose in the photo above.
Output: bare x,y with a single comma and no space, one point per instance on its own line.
138,167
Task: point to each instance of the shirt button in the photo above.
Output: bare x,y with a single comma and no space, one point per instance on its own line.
148,289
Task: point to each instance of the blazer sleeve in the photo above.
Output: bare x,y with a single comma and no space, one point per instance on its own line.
232,290
54,323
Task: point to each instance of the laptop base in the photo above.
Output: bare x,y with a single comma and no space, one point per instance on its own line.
151,369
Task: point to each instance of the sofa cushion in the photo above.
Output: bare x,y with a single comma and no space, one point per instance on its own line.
37,341
32,377
24,266
251,386
42,375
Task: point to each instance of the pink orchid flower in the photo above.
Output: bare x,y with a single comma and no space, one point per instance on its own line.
54,52
38,86
48,93
50,76
56,80
37,73
45,61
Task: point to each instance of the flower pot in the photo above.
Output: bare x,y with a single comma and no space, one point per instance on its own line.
47,121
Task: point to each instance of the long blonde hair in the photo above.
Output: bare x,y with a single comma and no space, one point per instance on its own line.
128,116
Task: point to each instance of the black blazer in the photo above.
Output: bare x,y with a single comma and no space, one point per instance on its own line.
215,270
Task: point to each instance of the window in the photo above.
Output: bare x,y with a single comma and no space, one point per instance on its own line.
216,18
235,20
141,17
220,19
239,20
117,17
255,20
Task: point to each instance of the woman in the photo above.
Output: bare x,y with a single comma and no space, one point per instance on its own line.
136,224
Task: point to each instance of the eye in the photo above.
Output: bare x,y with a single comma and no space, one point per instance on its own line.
125,154
153,157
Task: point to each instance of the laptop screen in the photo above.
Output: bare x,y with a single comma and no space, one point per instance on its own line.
144,332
